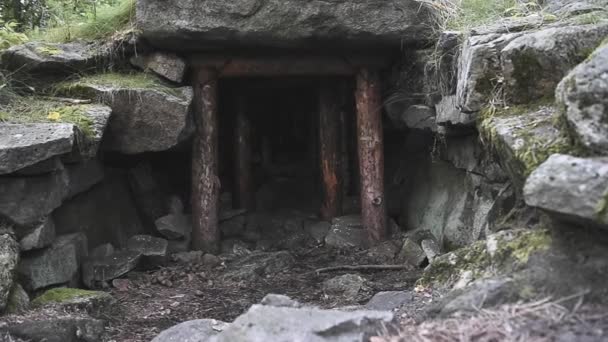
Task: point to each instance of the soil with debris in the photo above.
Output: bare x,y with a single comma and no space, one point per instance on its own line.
145,307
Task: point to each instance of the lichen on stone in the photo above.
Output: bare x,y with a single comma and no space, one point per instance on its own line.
502,253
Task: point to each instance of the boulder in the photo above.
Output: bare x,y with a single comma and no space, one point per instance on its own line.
565,8
347,285
74,298
153,249
190,257
347,232
234,226
59,60
83,176
479,70
89,139
534,63
40,236
259,264
279,23
174,226
419,117
199,330
18,300
147,192
584,95
269,323
107,204
389,300
23,145
411,253
210,260
26,200
523,138
573,188
97,271
46,166
149,118
449,114
57,329
168,65
77,239
9,257
57,264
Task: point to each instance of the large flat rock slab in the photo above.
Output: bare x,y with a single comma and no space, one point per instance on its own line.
189,25
267,323
22,145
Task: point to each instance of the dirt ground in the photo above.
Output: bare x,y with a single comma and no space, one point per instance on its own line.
144,308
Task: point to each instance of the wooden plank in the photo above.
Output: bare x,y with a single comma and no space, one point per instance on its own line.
371,154
205,180
243,174
329,143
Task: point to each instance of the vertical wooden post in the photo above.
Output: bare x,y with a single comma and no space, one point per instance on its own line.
243,181
371,154
329,142
205,180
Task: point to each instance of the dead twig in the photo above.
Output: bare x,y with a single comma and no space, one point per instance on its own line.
67,100
363,268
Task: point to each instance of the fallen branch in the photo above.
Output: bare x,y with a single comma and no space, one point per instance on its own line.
68,100
363,268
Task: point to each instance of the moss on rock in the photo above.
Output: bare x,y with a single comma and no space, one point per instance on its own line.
71,296
503,252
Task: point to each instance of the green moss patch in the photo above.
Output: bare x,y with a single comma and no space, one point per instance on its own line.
68,296
48,50
502,253
33,110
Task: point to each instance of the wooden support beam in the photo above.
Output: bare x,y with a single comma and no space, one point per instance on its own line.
371,154
243,177
329,143
205,180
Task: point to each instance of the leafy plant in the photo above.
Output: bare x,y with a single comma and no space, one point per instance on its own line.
9,36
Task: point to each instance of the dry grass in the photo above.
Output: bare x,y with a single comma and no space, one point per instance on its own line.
539,321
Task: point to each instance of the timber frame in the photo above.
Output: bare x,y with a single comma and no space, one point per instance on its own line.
209,68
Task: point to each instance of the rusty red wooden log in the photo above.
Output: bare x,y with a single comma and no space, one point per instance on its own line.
205,180
371,154
329,144
243,177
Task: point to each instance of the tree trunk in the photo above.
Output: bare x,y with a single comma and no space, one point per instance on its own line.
371,154
205,180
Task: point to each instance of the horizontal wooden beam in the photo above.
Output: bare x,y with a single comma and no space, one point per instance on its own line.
290,65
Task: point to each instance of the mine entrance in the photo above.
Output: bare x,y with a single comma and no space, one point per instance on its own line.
286,131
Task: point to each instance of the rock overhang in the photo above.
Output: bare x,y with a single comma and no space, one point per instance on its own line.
194,25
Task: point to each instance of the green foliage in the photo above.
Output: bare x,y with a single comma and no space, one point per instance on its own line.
9,36
89,24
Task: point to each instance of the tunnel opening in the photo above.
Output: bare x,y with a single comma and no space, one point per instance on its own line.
284,143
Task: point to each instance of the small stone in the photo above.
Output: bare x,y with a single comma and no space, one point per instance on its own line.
42,235
211,260
279,301
411,253
18,300
347,285
152,249
389,300
199,293
318,230
200,330
384,252
347,232
168,65
96,270
234,226
103,250
174,226
188,257
121,284
431,249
